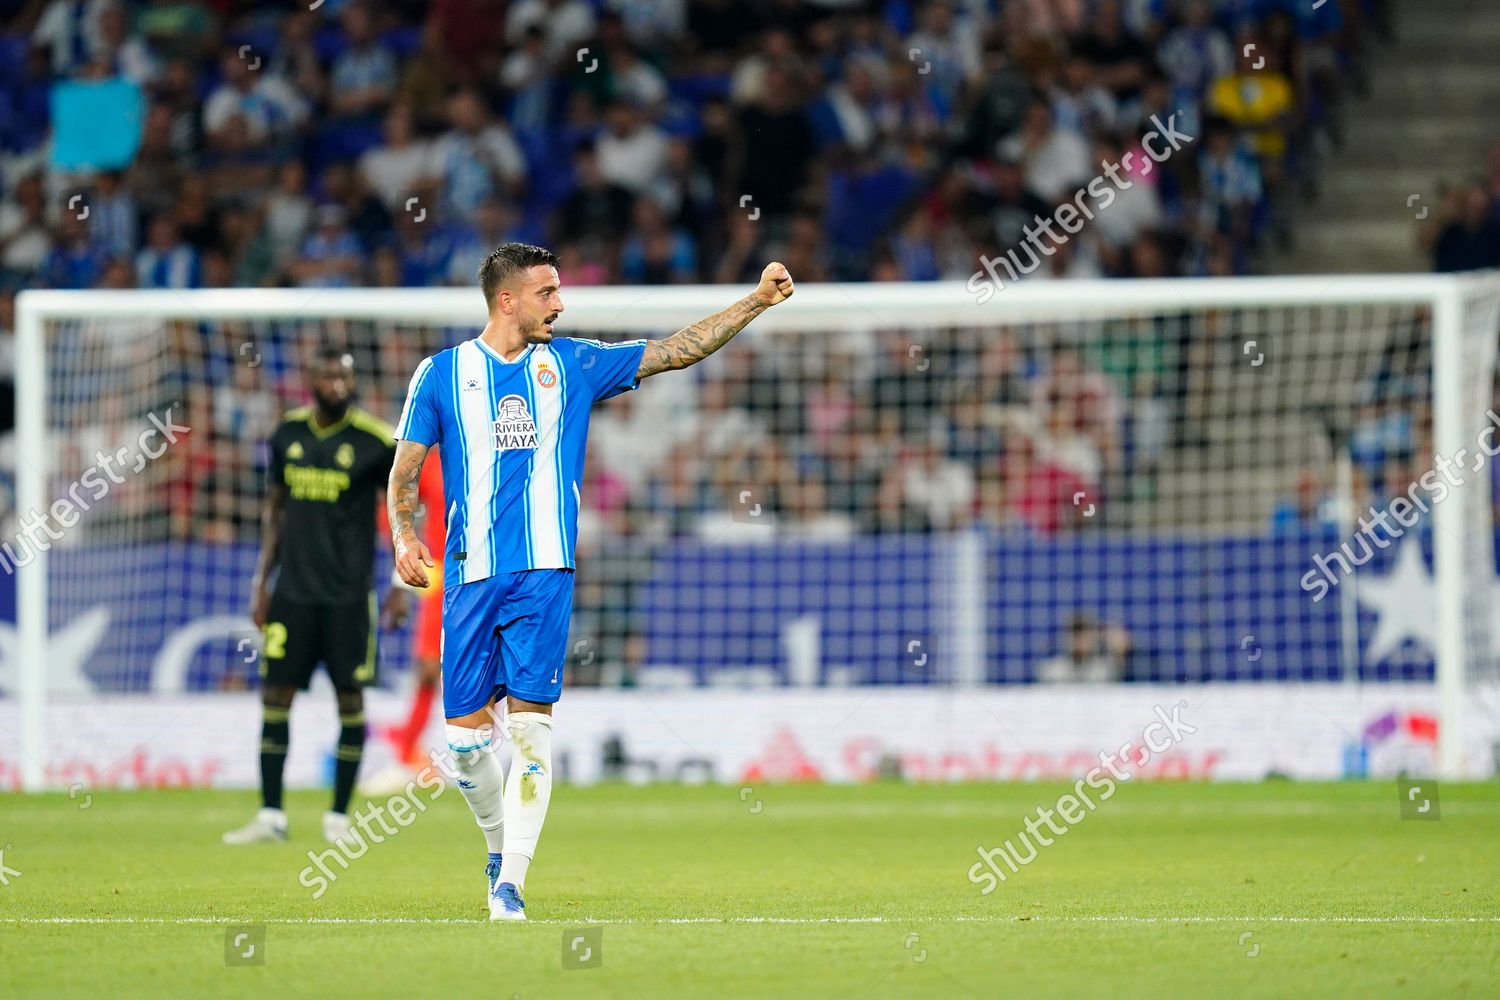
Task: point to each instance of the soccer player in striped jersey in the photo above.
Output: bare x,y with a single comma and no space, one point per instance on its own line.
508,412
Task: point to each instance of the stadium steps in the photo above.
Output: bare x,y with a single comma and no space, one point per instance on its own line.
1426,122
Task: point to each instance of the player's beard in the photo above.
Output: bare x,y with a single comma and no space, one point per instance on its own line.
333,409
536,332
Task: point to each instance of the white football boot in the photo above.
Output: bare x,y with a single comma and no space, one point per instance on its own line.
268,826
336,827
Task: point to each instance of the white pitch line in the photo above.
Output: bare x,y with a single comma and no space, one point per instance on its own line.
674,921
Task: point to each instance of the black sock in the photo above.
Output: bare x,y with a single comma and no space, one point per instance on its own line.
346,759
274,733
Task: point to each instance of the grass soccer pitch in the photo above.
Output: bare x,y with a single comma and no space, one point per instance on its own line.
1168,889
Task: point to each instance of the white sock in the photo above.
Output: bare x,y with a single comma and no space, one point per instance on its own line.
480,779
527,792
513,869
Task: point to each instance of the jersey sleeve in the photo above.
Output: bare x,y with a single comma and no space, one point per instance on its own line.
383,443
276,464
419,418
609,369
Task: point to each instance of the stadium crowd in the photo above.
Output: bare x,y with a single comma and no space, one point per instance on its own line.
1464,233
178,144
1039,426
223,142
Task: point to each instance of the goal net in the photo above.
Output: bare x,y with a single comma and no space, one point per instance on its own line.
1056,483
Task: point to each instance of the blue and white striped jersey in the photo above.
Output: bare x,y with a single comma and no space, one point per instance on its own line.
511,437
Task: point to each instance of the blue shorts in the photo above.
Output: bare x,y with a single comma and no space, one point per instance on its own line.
505,634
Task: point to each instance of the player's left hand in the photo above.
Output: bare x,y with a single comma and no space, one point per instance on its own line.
775,283
397,606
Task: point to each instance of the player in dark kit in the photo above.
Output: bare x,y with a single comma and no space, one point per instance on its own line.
328,468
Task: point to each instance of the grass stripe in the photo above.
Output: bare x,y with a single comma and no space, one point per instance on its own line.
670,921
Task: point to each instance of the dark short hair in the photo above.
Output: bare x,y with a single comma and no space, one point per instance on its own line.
508,260
341,356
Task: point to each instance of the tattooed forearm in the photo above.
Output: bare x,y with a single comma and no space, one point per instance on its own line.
690,346
401,492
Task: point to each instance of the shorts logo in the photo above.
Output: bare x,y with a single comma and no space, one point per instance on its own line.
514,427
545,377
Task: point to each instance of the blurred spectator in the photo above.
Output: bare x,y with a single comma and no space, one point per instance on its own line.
524,73
948,46
1231,187
476,157
568,24
1042,493
632,152
1257,97
330,256
431,71
1309,508
1122,60
807,515
1470,235
1091,653
401,167
364,74
1054,160
166,261
974,434
596,206
112,215
1079,103
654,253
774,146
289,213
25,240
493,224
250,108
1134,212
295,57
846,111
76,261
365,214
1383,432
128,56
924,490
1196,53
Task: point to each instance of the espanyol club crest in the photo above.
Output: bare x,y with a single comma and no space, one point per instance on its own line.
514,427
545,377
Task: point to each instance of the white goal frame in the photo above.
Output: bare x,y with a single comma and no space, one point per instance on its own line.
816,307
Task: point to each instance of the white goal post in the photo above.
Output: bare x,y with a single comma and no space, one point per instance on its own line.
1464,316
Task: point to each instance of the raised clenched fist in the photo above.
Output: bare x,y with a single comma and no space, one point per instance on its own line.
775,283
